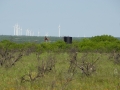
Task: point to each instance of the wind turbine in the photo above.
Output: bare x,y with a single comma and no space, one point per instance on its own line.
17,29
59,30
27,32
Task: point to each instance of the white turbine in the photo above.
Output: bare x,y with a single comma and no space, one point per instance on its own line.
27,32
14,30
17,30
59,30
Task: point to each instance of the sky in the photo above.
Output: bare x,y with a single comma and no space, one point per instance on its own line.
77,18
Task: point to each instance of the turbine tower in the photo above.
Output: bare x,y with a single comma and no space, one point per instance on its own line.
17,30
59,30
27,32
14,30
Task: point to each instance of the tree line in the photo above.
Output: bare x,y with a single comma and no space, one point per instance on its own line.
103,43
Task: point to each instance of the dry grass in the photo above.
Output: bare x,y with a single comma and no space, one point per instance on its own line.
106,76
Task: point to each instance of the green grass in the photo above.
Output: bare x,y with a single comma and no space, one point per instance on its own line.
104,78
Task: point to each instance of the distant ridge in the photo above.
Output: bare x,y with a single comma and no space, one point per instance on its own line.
39,39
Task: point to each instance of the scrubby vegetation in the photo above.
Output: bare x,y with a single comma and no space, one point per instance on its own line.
90,64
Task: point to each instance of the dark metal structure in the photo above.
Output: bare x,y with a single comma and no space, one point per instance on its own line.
68,39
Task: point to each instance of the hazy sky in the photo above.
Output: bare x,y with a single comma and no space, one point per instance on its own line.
76,17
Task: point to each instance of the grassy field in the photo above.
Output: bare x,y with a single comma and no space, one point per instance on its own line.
23,75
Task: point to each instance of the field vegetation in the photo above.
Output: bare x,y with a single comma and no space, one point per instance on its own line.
89,64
